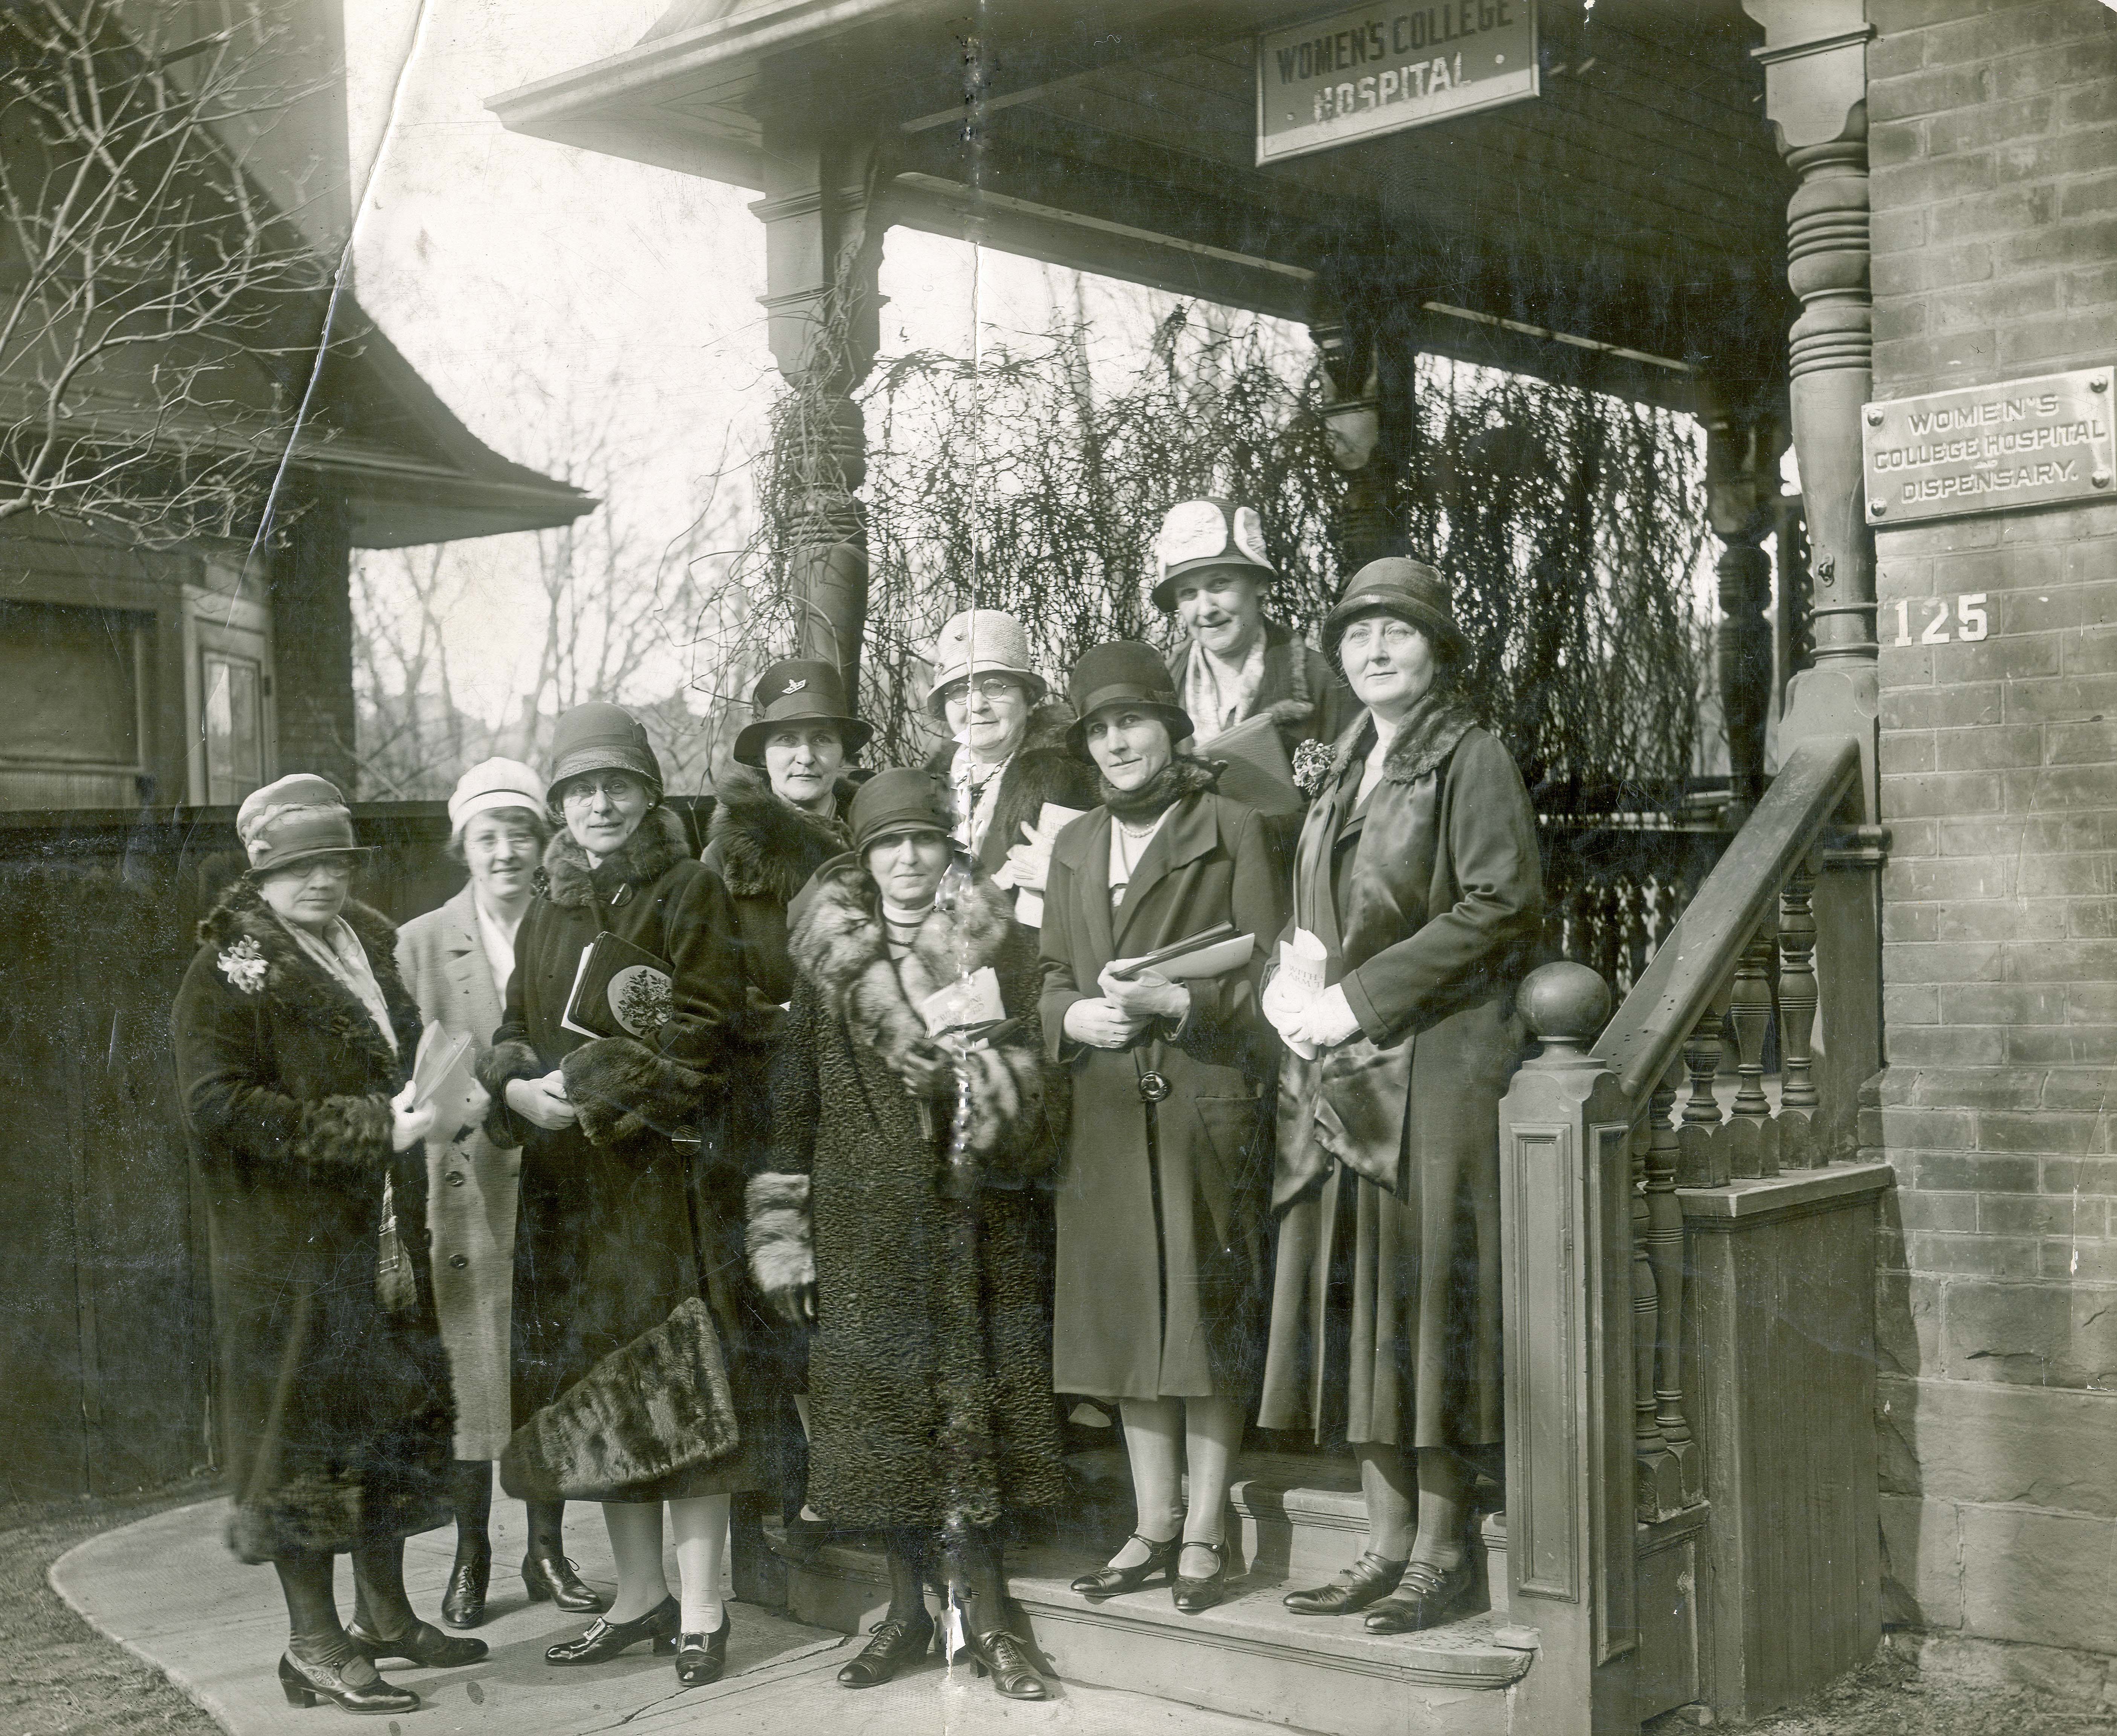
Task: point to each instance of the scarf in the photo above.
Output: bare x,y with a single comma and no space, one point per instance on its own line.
1180,777
1219,695
974,785
338,950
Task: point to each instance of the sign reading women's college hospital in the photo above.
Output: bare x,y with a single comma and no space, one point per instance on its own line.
2016,443
1379,69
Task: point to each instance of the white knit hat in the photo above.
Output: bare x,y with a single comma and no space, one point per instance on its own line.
492,783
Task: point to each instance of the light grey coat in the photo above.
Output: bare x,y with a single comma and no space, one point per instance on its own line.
470,1183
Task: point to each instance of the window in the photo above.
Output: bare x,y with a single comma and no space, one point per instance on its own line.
234,725
72,735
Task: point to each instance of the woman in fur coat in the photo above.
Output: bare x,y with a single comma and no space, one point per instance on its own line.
606,1247
294,1038
896,1217
1161,1216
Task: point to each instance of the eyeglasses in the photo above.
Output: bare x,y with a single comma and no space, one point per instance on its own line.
615,787
1397,635
992,686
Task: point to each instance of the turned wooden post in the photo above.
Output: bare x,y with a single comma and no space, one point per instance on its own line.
1648,1447
1742,449
1702,1161
1665,1251
1798,1001
1369,408
1752,1139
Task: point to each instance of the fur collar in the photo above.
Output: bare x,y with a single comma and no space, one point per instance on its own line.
1427,737
767,848
295,982
650,852
1180,777
1048,725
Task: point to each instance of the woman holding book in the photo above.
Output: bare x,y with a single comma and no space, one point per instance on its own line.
610,1128
1161,1255
1419,873
295,1039
896,1217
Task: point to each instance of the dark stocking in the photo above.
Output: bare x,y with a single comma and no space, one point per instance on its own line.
305,1581
380,1603
907,1556
470,1494
547,1525
974,1564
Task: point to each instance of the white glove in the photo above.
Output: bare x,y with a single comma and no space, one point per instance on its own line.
1282,1004
1325,1022
408,1126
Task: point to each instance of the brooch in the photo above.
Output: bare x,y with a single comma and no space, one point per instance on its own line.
1312,760
243,964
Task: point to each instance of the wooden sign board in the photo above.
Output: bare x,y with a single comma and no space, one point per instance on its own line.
1991,449
1378,69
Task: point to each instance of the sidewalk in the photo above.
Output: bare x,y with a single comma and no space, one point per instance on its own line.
167,1589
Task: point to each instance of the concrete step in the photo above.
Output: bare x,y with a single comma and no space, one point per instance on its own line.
1251,1657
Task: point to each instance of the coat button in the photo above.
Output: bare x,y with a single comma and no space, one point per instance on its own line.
459,1260
455,1178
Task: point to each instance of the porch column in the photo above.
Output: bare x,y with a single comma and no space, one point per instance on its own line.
1370,405
822,258
1743,444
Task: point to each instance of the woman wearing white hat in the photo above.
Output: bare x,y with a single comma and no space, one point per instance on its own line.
456,961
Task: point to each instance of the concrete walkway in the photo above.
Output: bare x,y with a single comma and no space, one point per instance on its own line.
167,1589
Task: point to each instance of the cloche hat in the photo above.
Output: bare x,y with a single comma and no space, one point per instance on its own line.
596,737
1213,532
298,818
491,784
799,691
1124,672
981,641
904,800
1408,589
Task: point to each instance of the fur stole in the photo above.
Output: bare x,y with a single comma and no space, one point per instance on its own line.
765,848
1424,742
782,1253
1180,777
658,846
839,944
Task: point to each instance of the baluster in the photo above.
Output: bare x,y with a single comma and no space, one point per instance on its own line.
1647,1444
1665,1250
1704,1159
1798,1100
1753,1143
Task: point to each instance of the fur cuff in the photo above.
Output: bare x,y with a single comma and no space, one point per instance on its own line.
500,1064
781,1255
630,1099
345,1136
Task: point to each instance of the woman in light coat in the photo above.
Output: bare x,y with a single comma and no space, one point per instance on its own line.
456,961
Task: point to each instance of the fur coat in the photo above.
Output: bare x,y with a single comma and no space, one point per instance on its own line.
929,1375
1043,769
335,1414
605,1248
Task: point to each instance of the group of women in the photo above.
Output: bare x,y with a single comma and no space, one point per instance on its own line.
882,1145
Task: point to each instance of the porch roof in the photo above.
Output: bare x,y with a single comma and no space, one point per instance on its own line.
1623,228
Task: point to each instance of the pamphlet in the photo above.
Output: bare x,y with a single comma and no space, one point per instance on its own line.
1028,902
443,1081
1303,960
1213,952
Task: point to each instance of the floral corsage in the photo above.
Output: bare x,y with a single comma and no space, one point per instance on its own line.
1312,760
243,964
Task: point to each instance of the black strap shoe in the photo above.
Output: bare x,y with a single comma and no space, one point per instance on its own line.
421,1643
701,1657
343,1674
1428,1596
1001,1655
1114,1581
1195,1596
1368,1581
604,1639
552,1579
891,1643
463,1605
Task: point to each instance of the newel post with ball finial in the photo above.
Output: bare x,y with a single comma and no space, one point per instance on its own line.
1565,1202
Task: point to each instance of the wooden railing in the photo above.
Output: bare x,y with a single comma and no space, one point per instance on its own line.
1607,1495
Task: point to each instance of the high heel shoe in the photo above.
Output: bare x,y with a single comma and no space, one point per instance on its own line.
1195,1596
1428,1596
1114,1582
421,1643
463,1605
349,1682
891,1643
603,1638
1369,1580
1001,1655
701,1657
552,1579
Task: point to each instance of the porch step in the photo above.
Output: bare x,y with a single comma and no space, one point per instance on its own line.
1251,1657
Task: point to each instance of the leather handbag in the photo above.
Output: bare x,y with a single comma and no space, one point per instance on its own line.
659,1407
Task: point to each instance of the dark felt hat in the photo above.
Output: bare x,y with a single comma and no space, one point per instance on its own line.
906,798
296,819
799,691
596,737
1124,672
1408,589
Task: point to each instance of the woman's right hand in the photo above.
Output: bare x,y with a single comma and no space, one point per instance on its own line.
1101,1025
539,1104
408,1126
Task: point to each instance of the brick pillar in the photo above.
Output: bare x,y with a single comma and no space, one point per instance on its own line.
313,641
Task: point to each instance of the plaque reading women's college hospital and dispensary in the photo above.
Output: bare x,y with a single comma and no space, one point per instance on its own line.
2016,443
1379,69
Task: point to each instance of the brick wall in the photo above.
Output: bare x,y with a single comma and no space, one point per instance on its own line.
1993,135
312,644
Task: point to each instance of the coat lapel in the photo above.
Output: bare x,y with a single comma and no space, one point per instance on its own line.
470,975
1085,849
1189,833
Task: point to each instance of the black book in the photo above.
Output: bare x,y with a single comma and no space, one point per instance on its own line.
620,990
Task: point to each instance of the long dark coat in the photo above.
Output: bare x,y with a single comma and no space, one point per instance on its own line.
606,1245
1173,1316
335,1414
929,1373
1429,903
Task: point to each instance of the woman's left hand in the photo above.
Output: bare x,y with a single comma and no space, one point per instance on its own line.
1326,1021
1149,995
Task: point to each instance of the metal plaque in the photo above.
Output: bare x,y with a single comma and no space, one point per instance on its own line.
2017,442
1379,69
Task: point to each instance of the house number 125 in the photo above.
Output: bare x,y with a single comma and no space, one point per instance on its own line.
1969,612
